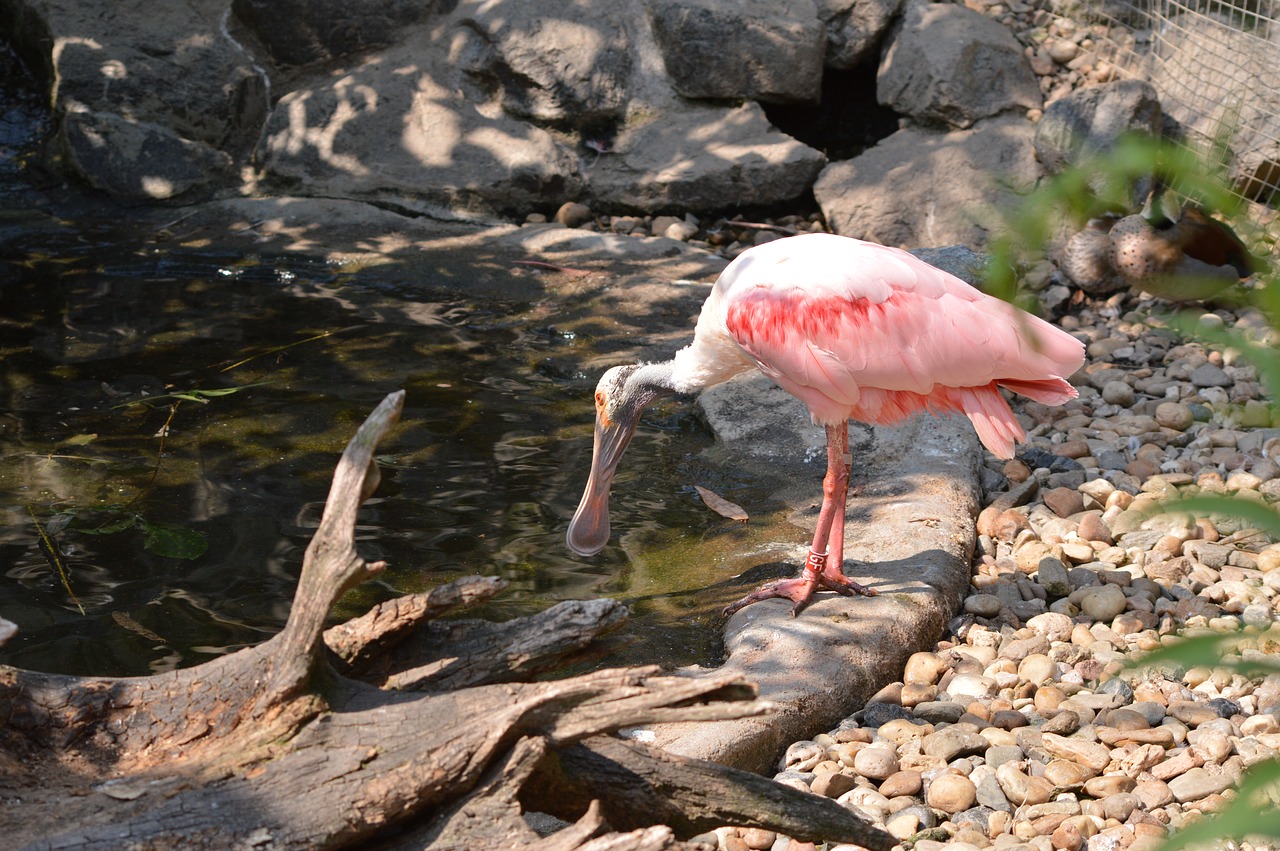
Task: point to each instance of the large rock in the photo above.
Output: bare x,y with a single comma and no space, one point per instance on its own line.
752,49
700,158
551,63
164,83
301,32
855,28
925,188
947,64
137,161
1090,121
406,128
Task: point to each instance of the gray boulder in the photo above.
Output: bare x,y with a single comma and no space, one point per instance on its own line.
570,70
855,28
137,161
702,158
946,64
1090,121
922,187
302,32
178,110
741,48
416,140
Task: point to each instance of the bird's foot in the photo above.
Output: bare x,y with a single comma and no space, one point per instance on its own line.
817,576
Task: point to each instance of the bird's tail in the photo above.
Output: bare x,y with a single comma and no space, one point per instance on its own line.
991,416
1050,391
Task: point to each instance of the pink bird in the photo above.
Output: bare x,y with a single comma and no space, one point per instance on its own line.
856,331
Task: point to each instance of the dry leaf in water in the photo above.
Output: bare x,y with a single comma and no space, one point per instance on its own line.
721,506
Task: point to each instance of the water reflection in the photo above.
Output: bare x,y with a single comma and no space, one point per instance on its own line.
97,416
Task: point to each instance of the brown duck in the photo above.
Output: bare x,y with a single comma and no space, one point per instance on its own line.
1181,257
1086,259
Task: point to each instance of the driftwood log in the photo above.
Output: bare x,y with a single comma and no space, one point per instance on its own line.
393,729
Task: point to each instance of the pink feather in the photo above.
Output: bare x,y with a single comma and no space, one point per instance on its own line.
866,332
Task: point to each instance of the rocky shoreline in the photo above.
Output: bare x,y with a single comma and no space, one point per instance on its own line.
1023,728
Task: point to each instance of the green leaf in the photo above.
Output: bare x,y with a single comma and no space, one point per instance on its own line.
1256,514
172,541
1253,813
1205,651
111,528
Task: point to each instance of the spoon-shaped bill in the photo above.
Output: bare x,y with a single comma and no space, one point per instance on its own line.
589,529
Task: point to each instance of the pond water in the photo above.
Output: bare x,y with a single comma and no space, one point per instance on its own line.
153,407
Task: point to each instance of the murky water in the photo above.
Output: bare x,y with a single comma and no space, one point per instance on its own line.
170,420
119,441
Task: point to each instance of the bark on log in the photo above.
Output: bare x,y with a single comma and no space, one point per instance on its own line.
390,722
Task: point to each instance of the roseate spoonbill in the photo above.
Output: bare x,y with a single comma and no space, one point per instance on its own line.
1179,253
855,331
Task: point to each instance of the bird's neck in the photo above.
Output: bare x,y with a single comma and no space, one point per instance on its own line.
1156,210
703,364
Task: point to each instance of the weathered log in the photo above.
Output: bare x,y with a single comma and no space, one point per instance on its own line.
313,740
636,784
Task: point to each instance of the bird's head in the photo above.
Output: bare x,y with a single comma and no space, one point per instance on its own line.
621,397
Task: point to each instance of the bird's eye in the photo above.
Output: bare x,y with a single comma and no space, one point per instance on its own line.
599,398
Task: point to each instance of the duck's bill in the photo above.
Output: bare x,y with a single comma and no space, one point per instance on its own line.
589,529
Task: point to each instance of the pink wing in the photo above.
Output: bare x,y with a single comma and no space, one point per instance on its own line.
862,331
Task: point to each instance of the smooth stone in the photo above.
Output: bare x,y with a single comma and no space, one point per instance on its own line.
953,742
972,687
1091,754
951,793
1054,626
1102,603
1126,718
1161,736
802,756
1198,783
1052,575
1063,723
1093,528
876,763
1037,669
1068,774
1008,719
983,605
1153,794
998,755
1193,713
1109,784
1020,648
1259,724
833,784
900,730
1174,415
905,782
916,693
938,711
1022,789
991,794
1064,502
924,668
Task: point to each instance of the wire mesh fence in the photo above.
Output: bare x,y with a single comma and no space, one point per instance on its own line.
1216,67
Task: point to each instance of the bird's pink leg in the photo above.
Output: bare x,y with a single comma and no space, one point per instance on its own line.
823,568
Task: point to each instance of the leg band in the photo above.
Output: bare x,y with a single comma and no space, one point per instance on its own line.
815,563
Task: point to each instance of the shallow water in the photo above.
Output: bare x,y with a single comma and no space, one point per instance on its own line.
481,476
